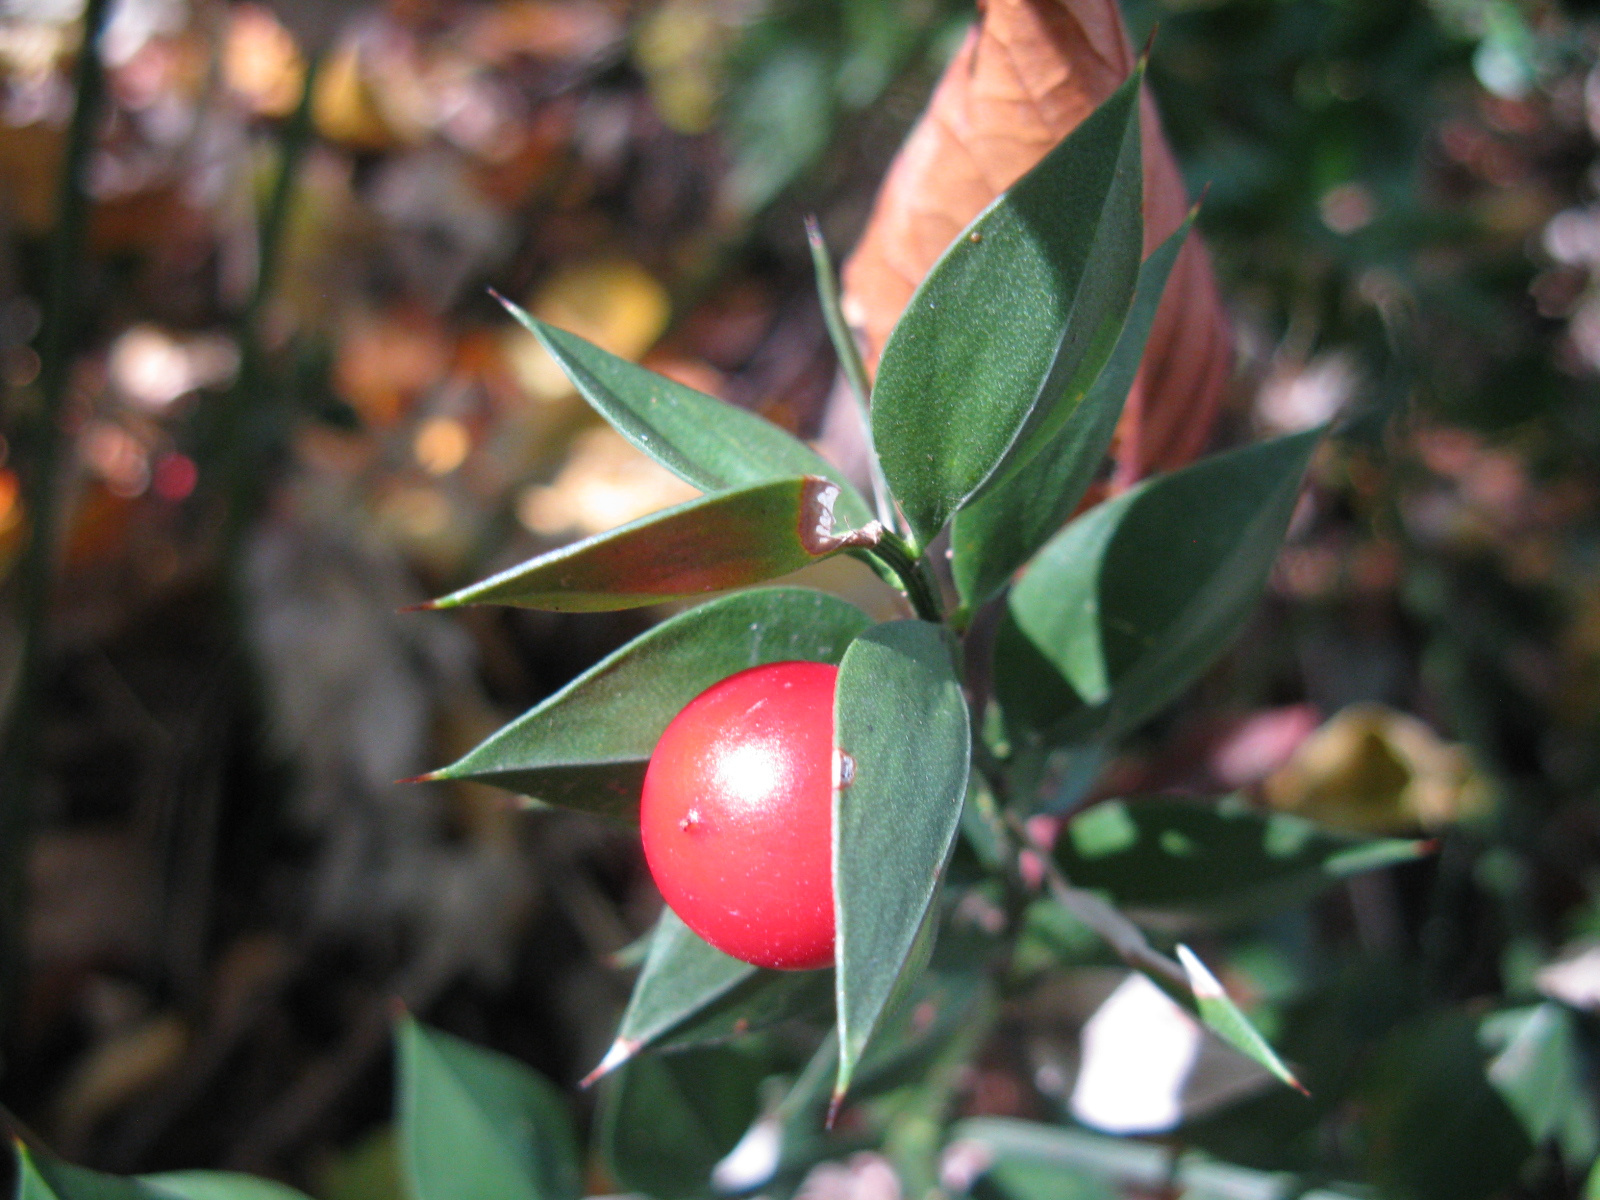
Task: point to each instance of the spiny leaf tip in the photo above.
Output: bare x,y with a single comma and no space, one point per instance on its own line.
620,1052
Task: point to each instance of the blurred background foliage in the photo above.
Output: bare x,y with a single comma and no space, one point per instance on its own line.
293,408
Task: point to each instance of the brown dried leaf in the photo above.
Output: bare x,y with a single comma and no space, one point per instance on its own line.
1023,79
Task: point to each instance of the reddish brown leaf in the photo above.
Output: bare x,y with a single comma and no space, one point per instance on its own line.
1023,79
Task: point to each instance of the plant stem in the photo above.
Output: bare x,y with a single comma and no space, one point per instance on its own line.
241,471
894,552
1121,934
42,498
855,371
244,478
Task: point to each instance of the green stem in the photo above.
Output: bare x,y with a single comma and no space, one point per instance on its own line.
895,553
855,371
1116,930
244,478
42,499
241,472
916,1134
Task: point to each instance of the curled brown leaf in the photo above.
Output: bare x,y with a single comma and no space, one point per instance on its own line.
1023,79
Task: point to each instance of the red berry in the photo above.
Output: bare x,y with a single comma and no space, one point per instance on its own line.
737,815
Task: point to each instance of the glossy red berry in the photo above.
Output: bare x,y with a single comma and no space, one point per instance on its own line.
737,813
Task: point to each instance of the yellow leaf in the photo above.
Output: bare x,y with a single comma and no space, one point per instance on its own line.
1371,769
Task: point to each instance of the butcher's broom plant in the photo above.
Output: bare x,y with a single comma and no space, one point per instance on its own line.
840,812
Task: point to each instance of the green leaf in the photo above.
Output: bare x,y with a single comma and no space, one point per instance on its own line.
1224,1018
475,1125
702,440
1431,1127
218,1185
40,1177
765,1000
1015,321
690,993
682,974
1540,1073
666,1120
1030,691
587,746
1000,530
45,1178
729,540
1136,598
1024,1160
1180,861
901,725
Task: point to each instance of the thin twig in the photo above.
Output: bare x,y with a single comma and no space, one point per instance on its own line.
42,501
1121,934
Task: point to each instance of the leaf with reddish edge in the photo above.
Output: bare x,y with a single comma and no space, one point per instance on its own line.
711,544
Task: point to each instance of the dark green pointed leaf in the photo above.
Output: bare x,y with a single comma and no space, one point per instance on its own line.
766,999
702,440
475,1125
690,993
1225,1019
901,722
999,531
712,544
666,1120
1177,862
587,746
1031,692
218,1185
1014,321
1136,598
1432,1127
682,974
1539,1071
40,1177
